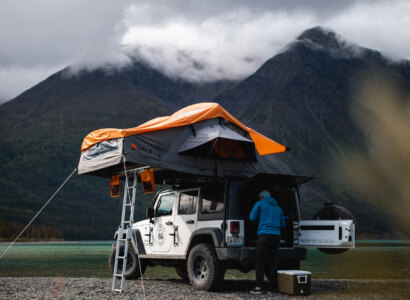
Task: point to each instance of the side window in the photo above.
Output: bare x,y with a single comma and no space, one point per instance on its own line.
165,205
213,201
187,202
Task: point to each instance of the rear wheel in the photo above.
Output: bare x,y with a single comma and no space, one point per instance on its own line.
204,269
132,268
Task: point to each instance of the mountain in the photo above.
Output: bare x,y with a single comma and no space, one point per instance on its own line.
300,97
42,129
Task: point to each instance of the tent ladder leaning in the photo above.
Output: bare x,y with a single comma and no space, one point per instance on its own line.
125,227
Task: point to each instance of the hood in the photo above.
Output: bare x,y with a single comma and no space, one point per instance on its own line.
270,200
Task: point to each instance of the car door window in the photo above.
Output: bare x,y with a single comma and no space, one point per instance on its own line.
187,202
213,201
165,205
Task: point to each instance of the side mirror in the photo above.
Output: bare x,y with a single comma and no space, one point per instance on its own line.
150,213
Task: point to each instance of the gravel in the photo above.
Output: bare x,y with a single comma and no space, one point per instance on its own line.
100,288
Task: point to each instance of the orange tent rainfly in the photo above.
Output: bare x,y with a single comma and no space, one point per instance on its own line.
201,138
189,115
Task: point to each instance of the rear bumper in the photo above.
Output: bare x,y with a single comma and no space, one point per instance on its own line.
247,254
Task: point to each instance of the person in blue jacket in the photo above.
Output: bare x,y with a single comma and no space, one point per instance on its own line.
271,221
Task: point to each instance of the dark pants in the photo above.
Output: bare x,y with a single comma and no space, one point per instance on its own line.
267,259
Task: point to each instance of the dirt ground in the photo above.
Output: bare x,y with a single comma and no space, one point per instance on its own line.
100,288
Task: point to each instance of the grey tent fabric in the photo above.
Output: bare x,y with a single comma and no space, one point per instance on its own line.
221,140
162,150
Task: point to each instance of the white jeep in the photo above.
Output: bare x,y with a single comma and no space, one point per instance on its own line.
203,228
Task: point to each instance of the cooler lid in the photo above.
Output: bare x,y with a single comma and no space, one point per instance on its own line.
294,272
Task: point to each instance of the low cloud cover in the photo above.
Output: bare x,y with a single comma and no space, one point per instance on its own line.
198,40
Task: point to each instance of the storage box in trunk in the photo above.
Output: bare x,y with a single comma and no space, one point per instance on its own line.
294,282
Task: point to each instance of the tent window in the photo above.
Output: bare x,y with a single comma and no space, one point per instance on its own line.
104,148
165,205
187,202
213,201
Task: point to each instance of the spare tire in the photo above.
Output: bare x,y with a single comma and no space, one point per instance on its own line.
333,212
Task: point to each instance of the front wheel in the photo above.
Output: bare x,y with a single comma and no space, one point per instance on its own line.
182,272
204,269
132,269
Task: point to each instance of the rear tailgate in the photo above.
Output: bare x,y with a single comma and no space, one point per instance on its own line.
325,233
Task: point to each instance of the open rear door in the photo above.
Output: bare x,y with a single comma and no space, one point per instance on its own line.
339,234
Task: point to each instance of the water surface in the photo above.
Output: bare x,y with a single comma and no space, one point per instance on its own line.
369,260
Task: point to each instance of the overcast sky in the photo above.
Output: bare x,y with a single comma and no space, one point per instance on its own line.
229,38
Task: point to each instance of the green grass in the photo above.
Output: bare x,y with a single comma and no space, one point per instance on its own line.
363,262
90,259
57,259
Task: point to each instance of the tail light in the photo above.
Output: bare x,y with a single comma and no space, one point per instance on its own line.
235,227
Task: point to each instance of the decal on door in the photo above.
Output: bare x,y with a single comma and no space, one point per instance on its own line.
161,234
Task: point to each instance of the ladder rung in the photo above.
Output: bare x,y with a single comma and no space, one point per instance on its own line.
121,257
118,275
131,187
122,240
128,222
117,290
127,204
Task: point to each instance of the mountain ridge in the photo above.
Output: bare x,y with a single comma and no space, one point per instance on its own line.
299,97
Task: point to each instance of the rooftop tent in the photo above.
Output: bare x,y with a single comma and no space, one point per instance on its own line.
218,141
201,139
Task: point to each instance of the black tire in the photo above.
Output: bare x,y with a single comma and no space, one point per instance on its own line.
133,269
204,269
335,213
182,272
245,269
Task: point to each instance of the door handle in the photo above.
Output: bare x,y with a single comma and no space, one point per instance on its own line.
149,236
190,221
169,223
175,235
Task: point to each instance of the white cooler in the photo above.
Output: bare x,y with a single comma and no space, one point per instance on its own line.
294,282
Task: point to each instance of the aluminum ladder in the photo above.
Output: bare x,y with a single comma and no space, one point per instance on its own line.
125,227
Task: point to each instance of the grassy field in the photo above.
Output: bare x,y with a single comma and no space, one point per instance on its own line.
370,260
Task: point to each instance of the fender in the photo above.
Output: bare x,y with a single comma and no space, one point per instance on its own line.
135,240
215,233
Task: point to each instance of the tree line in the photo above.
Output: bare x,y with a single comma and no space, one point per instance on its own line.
10,230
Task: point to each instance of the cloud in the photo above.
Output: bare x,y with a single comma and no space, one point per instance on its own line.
42,36
197,40
15,80
51,32
384,26
225,46
232,39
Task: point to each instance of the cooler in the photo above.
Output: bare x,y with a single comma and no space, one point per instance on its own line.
294,282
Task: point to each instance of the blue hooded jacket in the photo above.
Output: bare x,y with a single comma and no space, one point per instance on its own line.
270,215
